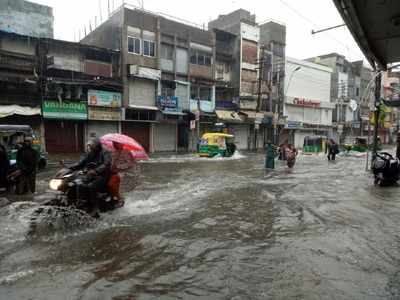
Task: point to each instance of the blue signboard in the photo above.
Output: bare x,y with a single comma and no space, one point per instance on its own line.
169,102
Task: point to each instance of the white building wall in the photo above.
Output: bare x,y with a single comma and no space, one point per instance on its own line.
311,81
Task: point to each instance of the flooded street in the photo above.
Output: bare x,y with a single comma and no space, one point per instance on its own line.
218,229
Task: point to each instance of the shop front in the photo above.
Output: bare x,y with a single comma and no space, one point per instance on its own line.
64,123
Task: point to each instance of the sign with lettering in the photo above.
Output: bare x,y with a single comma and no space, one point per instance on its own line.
104,114
104,98
170,102
66,110
306,102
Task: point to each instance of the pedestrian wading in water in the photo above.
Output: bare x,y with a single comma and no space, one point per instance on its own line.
291,153
332,148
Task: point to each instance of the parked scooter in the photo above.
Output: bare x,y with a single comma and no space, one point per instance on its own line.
386,169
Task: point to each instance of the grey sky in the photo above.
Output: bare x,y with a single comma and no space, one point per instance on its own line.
300,17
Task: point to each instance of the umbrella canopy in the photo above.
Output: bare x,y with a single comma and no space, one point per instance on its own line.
137,151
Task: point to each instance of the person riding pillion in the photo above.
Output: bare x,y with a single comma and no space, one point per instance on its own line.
98,162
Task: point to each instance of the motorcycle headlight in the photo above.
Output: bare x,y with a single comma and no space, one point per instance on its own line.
55,184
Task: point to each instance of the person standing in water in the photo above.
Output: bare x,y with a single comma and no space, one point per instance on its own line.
291,153
332,148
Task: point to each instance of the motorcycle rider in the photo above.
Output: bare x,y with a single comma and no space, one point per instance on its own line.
99,175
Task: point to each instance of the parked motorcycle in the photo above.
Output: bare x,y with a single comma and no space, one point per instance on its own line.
386,169
74,192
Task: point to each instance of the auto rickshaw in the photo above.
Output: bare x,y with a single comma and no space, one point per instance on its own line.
360,144
12,135
212,144
314,144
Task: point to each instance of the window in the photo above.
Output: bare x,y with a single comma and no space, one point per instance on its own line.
133,45
200,58
205,93
194,92
167,51
193,57
200,92
149,48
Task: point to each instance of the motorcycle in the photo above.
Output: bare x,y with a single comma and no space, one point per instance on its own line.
74,192
386,169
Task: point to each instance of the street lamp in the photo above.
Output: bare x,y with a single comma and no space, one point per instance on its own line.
286,90
290,79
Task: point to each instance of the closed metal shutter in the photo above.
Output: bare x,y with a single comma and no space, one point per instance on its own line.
241,133
63,136
165,137
139,131
142,92
100,128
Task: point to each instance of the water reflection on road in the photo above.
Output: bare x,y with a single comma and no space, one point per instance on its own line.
220,229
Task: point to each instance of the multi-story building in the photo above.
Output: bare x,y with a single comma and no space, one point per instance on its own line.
252,49
168,74
307,107
26,18
345,93
66,91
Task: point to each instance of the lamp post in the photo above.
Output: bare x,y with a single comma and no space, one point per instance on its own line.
284,95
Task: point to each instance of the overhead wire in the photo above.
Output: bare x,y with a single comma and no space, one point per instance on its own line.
315,25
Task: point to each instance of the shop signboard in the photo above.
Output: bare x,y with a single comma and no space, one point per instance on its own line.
67,110
104,98
306,102
294,125
169,103
104,114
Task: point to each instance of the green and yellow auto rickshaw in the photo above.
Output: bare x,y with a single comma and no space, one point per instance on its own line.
314,144
216,143
360,144
11,136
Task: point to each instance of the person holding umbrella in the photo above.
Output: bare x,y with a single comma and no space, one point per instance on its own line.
122,160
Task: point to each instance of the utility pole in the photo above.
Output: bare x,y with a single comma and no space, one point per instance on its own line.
260,77
376,113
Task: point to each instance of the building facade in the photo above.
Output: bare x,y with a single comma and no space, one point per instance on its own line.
67,92
348,83
168,77
26,18
307,107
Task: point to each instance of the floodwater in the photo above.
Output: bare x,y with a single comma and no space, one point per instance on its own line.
216,229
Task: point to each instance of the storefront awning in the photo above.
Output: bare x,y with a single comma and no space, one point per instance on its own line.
174,113
9,110
229,116
257,115
143,107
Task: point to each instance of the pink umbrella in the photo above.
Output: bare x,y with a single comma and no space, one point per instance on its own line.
137,151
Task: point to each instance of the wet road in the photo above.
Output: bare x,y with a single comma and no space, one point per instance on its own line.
218,229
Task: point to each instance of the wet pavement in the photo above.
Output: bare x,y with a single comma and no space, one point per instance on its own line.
216,229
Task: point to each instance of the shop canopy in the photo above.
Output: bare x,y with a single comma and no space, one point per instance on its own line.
9,110
375,25
229,116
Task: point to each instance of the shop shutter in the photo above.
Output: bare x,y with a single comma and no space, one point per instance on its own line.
165,137
100,128
142,92
139,131
241,133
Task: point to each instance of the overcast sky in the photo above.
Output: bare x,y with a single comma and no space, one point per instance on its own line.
300,17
